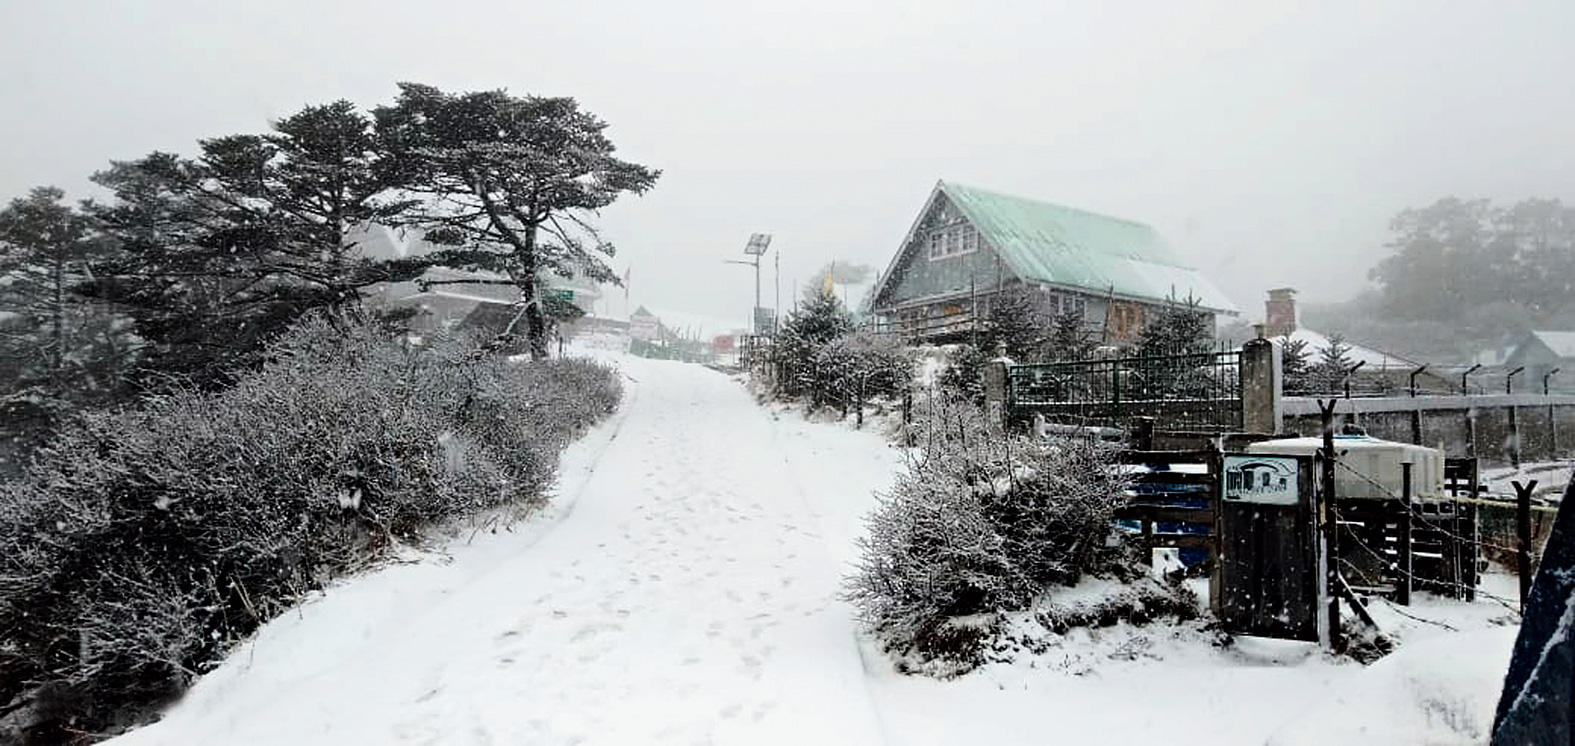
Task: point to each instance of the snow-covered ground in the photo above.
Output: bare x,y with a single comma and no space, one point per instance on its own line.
1551,477
683,588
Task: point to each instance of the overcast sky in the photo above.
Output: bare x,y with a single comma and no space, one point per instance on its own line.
1269,141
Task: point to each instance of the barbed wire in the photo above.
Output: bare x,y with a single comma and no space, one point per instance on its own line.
1394,567
1411,508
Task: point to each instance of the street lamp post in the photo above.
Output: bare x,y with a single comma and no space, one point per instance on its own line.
758,242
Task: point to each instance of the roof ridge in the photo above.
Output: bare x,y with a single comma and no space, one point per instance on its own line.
1102,216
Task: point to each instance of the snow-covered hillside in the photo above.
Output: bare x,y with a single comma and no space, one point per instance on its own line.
683,588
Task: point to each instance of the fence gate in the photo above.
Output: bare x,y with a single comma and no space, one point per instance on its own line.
1268,571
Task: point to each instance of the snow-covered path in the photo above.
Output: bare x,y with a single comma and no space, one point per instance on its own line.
682,589
686,594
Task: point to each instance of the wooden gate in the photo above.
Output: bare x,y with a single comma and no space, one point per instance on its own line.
1268,570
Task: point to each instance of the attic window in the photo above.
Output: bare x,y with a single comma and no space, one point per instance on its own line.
952,240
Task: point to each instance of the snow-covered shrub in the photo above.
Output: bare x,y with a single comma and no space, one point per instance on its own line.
858,367
981,523
963,375
141,543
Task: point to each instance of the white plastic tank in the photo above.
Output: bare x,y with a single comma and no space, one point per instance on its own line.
1375,463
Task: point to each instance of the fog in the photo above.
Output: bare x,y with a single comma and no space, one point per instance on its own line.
1269,141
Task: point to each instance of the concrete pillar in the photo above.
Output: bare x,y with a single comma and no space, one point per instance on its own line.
995,383
1261,387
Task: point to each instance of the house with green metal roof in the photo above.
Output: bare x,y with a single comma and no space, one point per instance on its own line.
968,244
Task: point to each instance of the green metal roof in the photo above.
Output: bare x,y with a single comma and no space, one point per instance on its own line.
1049,243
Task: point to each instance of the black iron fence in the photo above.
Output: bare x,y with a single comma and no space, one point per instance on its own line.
1196,391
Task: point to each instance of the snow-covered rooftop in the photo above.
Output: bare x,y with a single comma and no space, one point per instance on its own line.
1378,359
1561,343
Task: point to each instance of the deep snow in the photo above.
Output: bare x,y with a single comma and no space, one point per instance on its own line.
682,588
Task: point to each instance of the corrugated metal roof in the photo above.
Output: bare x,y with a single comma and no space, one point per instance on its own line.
1096,253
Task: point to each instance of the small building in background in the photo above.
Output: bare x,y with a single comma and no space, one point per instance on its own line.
968,244
454,303
1543,352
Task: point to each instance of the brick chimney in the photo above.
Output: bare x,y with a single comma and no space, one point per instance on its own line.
1280,312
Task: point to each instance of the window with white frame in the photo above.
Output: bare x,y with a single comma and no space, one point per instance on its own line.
952,240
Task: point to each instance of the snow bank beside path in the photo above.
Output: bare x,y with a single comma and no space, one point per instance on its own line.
1439,691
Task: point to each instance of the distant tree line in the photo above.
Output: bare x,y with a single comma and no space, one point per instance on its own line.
1462,276
1462,255
192,263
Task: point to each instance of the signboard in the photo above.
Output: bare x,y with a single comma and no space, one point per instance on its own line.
722,344
765,320
564,294
642,327
1263,480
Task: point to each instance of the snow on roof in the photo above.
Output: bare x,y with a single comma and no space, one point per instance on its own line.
1378,359
1561,343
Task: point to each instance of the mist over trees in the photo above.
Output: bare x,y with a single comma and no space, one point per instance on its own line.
1462,275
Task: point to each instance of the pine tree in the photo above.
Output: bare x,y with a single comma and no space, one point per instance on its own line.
59,351
1182,328
1334,362
219,254
507,184
819,321
1015,322
1069,339
1293,364
1177,340
57,341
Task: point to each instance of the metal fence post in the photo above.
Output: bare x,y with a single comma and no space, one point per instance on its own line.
1329,522
1403,556
1523,536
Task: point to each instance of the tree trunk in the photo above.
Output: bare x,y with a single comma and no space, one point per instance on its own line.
58,312
535,321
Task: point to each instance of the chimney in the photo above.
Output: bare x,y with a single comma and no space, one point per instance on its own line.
1280,312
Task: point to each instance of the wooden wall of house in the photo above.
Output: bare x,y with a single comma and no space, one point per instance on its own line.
920,277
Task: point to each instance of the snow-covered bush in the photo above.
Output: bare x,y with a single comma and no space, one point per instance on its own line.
855,368
963,375
981,523
819,356
141,543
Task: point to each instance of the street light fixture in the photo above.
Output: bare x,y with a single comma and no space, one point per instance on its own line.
758,242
